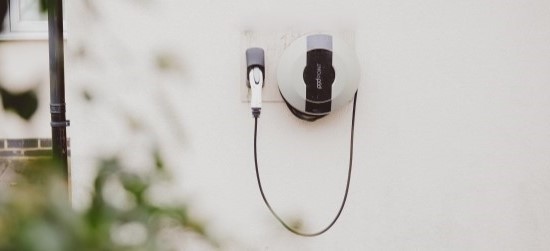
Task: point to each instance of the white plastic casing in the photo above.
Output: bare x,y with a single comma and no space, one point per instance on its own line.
256,80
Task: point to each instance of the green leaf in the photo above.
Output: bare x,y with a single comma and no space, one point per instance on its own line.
159,162
44,5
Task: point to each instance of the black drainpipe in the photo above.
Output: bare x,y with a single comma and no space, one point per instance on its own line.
59,122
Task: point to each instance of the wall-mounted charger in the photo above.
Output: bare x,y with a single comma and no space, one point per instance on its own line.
274,44
316,74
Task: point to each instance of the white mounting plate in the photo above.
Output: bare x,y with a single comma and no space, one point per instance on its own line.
274,44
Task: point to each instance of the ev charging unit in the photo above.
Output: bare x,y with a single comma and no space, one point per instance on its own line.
317,74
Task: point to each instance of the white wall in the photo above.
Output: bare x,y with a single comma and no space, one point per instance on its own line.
24,66
452,136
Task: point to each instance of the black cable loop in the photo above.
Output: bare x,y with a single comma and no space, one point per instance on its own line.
347,183
299,114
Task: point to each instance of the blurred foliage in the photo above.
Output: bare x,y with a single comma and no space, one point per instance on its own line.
36,214
23,104
44,5
167,62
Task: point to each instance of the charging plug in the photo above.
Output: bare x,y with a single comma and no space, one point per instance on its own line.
256,74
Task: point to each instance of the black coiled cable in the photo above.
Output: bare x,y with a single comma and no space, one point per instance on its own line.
347,183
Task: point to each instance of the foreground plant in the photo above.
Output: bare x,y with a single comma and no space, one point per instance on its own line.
36,214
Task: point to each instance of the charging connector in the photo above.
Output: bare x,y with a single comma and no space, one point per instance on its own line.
255,74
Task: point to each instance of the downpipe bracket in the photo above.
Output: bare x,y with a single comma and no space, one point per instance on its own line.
57,108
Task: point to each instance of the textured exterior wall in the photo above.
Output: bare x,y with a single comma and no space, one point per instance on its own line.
452,134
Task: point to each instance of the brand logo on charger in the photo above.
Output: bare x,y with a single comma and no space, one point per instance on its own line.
318,77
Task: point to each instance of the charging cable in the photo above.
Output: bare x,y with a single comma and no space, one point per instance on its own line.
255,68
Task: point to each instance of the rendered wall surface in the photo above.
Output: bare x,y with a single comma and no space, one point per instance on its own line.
452,128
24,66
